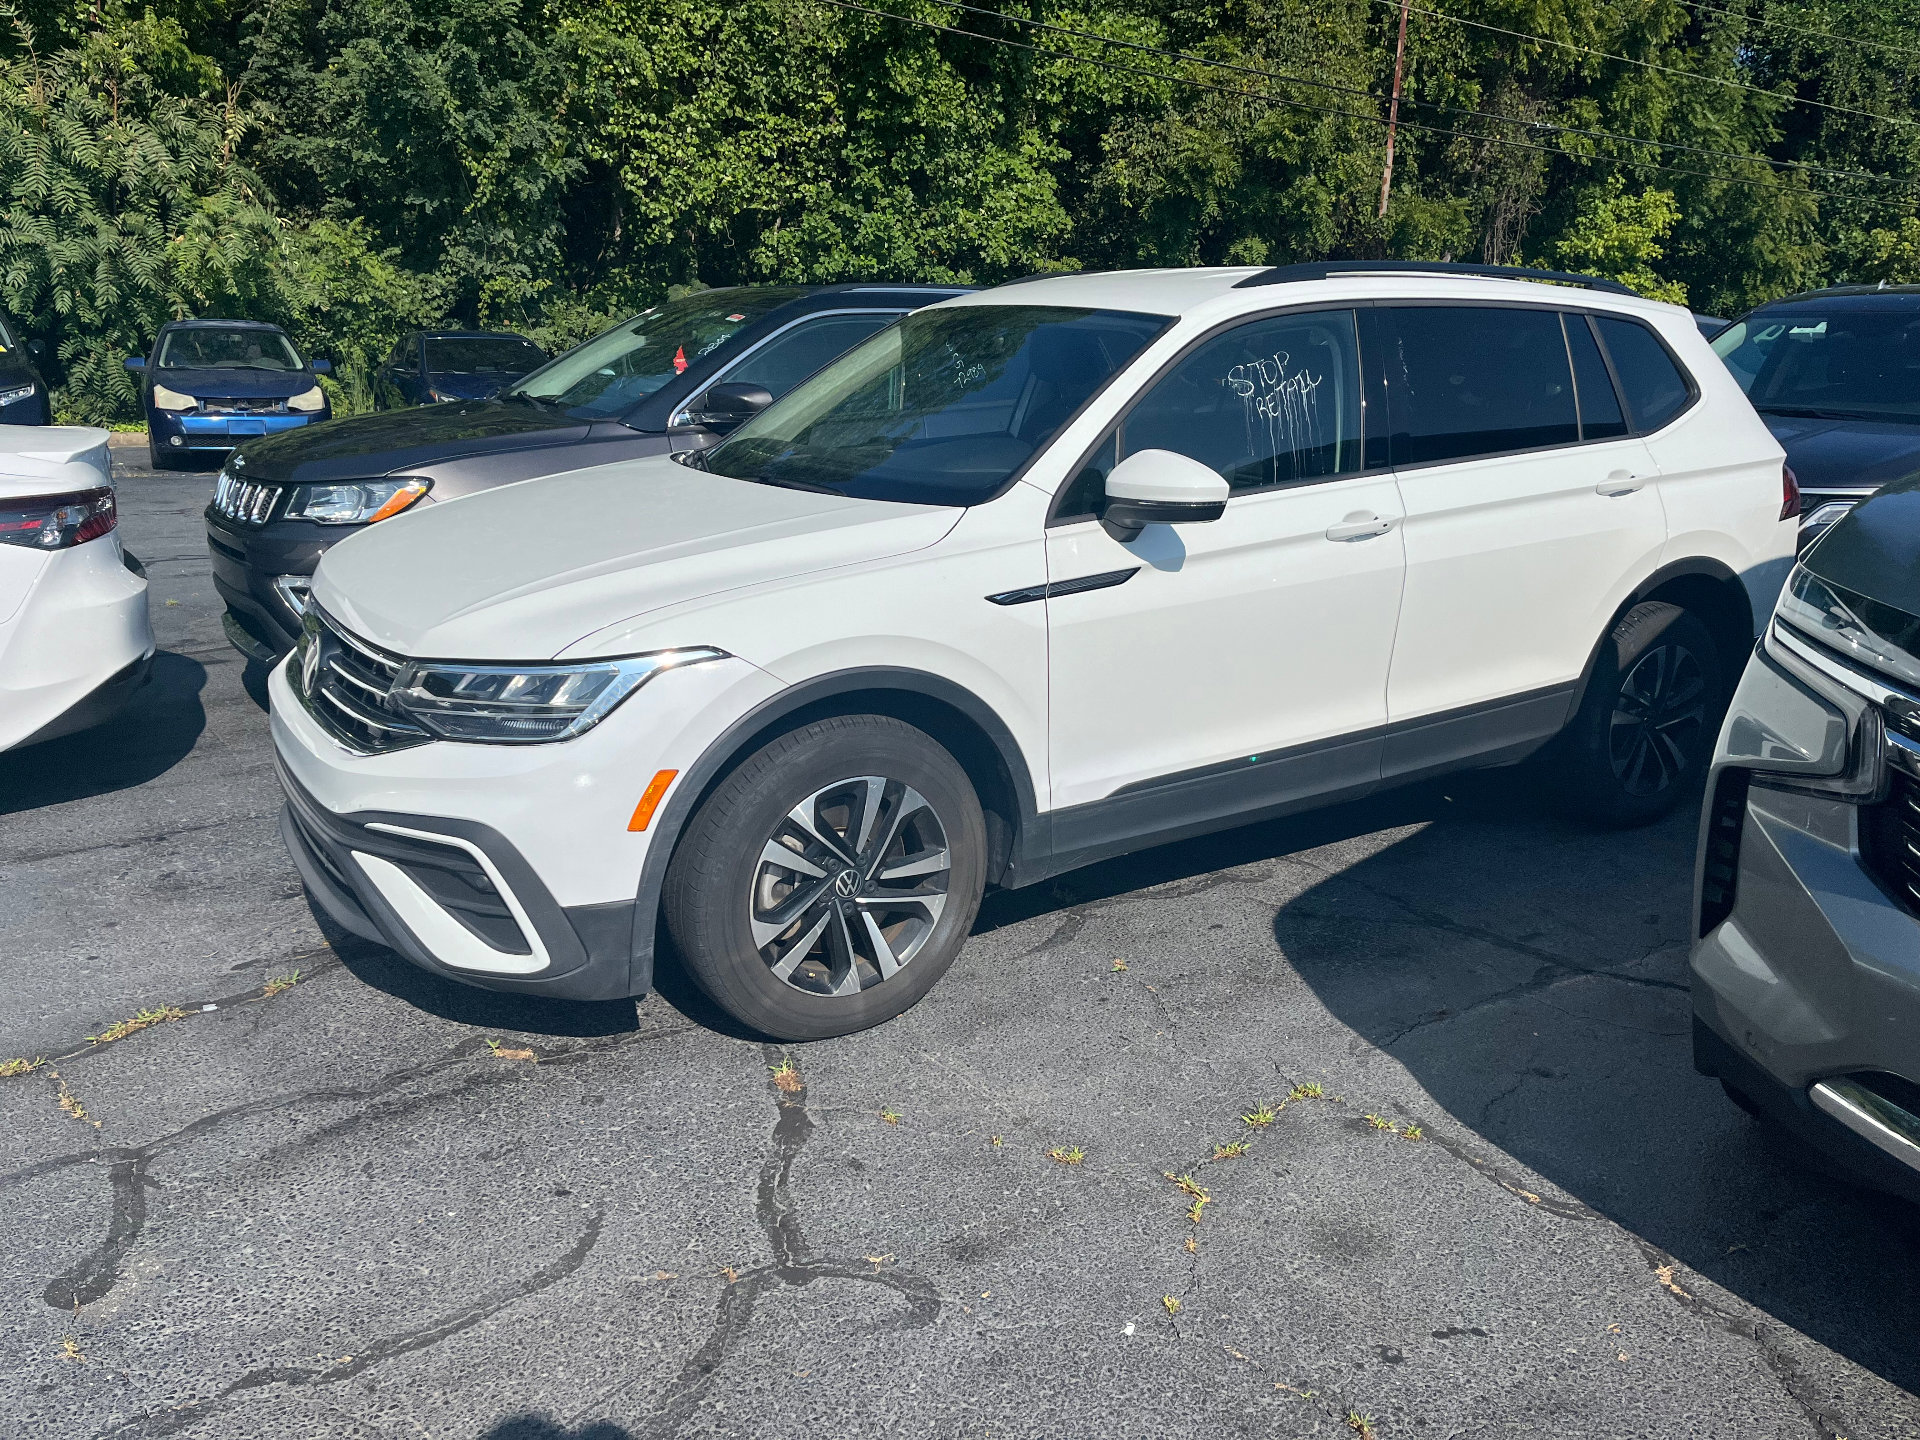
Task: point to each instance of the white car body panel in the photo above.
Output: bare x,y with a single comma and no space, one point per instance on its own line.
70,619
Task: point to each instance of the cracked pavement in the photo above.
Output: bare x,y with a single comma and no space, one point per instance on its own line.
338,1210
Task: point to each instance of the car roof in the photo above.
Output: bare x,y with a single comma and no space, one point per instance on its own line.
213,322
1844,292
469,335
1228,290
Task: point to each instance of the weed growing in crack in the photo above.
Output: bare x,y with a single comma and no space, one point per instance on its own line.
70,1102
11,1068
892,1117
1294,1390
997,1142
1361,1425
786,1076
1379,1122
1262,1115
1192,1246
279,984
1067,1154
120,1029
1413,1132
1172,1302
1232,1151
1118,966
70,1349
507,1052
1311,1090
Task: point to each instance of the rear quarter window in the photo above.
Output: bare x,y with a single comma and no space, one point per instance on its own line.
1654,386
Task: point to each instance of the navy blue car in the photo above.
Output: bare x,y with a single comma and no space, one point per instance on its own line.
23,394
211,384
1836,376
430,367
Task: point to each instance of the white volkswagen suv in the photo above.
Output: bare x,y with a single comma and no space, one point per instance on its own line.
1036,576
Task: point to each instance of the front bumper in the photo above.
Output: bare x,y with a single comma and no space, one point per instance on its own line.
190,431
504,866
1808,976
246,560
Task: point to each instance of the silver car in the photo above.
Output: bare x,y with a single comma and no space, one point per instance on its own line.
1806,969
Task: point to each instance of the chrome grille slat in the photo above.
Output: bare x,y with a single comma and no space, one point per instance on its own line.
247,501
351,682
379,692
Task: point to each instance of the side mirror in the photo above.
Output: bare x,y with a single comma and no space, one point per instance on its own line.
37,349
1160,487
321,367
726,406
135,362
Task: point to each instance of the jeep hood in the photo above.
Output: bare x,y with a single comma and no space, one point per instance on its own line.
522,571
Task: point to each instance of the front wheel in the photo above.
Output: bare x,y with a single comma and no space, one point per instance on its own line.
1644,733
827,883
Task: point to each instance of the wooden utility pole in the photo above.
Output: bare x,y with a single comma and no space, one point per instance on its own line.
1393,108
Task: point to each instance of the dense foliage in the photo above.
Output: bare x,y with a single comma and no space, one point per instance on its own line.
352,168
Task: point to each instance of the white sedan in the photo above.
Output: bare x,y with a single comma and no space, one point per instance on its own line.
75,638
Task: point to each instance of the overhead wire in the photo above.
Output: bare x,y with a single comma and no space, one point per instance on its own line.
1775,23
1269,98
1653,65
1433,105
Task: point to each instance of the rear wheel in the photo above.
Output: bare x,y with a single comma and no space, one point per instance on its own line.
1645,729
829,881
158,459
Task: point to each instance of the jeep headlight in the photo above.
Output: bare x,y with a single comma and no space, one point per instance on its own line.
526,704
165,399
358,502
308,400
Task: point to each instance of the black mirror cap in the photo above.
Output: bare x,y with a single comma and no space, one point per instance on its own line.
1125,519
725,406
37,349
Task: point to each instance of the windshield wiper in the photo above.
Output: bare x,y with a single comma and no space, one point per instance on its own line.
806,485
1815,412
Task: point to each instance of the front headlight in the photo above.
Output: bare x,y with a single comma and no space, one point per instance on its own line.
16,394
358,502
308,401
1866,631
165,399
526,704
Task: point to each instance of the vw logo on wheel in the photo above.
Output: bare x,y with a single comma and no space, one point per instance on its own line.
845,883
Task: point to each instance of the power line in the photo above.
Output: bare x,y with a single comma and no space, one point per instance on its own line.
1349,114
1434,105
1778,24
1655,65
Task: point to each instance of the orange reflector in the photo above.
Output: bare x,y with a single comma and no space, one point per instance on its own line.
402,498
656,791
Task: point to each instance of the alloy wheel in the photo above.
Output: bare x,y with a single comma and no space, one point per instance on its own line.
1659,717
850,885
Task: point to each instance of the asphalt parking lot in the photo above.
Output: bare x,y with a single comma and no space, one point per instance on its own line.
1480,1191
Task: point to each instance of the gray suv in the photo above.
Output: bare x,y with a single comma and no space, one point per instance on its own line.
1806,969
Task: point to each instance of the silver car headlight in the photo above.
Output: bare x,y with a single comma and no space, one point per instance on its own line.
526,704
165,399
358,502
308,401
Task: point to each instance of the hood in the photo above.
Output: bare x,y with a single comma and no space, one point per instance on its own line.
1846,454
390,441
223,382
1874,550
523,571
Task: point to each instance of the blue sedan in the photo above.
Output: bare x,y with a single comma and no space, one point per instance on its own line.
209,385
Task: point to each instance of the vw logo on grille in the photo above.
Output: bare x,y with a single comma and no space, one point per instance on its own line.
845,883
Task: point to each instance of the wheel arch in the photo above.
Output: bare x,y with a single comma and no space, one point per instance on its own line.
958,719
1699,584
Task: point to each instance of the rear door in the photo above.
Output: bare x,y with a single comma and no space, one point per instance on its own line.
1529,516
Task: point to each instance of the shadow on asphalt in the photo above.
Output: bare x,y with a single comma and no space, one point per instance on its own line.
155,732
539,1427
1442,950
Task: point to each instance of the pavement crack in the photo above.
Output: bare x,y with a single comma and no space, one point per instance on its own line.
99,1271
34,857
176,1418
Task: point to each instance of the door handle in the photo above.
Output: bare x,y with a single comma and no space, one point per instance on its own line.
1620,482
1360,525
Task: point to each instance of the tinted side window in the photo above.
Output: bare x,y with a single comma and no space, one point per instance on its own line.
1478,380
1655,389
784,361
1600,414
1269,403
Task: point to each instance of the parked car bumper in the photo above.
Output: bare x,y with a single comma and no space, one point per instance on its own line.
77,645
509,867
1807,993
191,431
248,563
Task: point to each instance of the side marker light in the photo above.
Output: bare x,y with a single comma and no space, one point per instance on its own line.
650,799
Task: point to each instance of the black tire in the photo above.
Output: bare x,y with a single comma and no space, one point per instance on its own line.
722,883
1742,1099
157,460
1644,733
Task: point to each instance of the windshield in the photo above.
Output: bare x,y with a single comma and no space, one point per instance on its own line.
612,373
940,409
7,342
1857,360
207,347
484,355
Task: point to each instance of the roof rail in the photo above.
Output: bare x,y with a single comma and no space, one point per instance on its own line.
1037,275
1326,269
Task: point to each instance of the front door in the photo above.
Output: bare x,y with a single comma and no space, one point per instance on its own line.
1237,665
